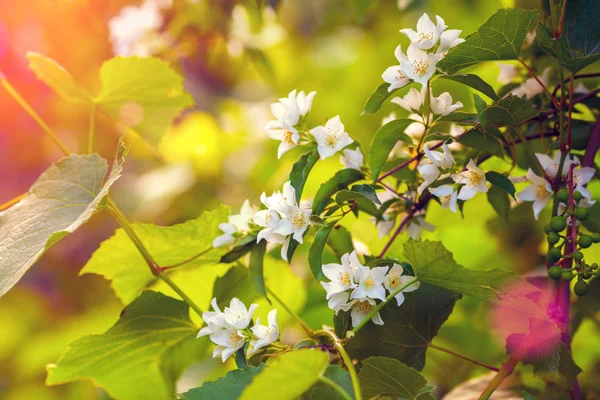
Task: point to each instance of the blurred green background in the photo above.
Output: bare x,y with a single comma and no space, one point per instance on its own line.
236,60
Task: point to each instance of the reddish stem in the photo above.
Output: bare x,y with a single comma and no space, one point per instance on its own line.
554,101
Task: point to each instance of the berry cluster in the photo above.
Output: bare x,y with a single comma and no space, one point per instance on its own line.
554,229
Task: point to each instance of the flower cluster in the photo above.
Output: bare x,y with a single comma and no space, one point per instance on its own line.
354,287
232,328
419,62
540,191
237,225
290,127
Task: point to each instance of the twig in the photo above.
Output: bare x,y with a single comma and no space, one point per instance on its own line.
490,367
554,101
295,316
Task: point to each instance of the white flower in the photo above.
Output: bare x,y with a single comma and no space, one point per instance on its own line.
237,315
288,136
395,75
442,104
508,72
448,40
473,180
416,225
243,35
370,283
360,308
540,192
228,340
416,129
341,276
331,138
531,86
581,177
304,102
420,66
294,223
580,88
241,220
339,301
214,320
550,165
429,166
279,201
385,225
227,238
413,100
427,33
352,158
268,219
442,160
394,279
447,195
265,334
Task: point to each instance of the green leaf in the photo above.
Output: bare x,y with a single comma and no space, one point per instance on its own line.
323,391
340,241
592,223
501,181
481,140
480,104
62,199
567,368
300,171
57,78
434,264
229,387
500,202
256,267
386,377
457,116
475,82
408,329
509,111
377,98
368,191
339,181
119,260
540,346
293,374
363,202
315,254
235,283
141,356
143,93
243,247
383,143
499,38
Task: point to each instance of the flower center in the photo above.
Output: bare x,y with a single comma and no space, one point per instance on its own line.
344,278
369,283
401,76
287,137
331,139
394,281
298,220
425,36
233,339
541,192
474,178
421,67
364,307
270,331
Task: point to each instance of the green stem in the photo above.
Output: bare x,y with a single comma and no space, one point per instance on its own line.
339,346
299,320
21,101
382,304
335,387
452,353
90,149
504,372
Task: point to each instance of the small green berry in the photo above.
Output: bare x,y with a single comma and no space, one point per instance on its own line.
553,238
578,256
562,195
547,229
587,273
582,214
555,272
585,241
577,196
580,288
567,275
558,224
554,255
594,266
596,237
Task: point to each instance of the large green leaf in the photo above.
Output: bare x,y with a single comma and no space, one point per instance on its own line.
323,391
141,356
300,171
482,140
62,199
500,202
383,143
407,330
434,264
293,374
256,267
509,111
315,254
229,387
235,283
119,260
475,82
501,182
339,181
57,78
377,98
387,377
143,93
499,38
